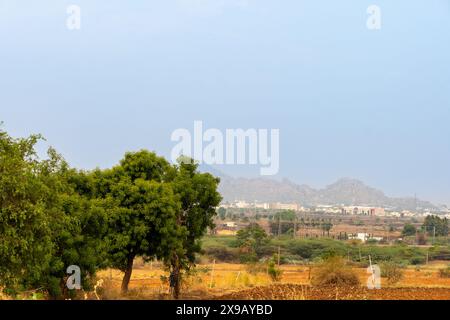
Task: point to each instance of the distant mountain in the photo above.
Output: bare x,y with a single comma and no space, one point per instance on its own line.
345,191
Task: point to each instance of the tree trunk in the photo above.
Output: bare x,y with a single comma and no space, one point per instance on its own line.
127,276
177,288
175,281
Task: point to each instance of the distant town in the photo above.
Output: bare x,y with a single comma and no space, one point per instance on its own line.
383,225
338,209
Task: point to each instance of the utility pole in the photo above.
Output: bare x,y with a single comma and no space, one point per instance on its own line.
212,274
279,225
295,226
434,235
278,255
371,269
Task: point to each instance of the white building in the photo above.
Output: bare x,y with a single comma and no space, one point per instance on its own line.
365,211
360,236
285,206
230,224
262,205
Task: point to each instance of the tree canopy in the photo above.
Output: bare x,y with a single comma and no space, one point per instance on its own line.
45,225
53,216
409,230
435,225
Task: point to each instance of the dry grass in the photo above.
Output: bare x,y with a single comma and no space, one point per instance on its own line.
335,272
233,278
237,280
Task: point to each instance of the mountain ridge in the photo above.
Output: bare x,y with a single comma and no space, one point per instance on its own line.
344,191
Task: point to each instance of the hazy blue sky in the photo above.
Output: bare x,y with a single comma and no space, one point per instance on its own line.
349,102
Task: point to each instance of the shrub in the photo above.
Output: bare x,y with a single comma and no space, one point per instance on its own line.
392,271
334,271
417,260
255,268
248,258
222,254
444,273
274,272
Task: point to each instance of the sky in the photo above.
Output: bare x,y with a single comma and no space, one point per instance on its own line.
348,101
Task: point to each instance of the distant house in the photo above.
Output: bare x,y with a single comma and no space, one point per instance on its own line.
364,211
230,224
359,236
284,206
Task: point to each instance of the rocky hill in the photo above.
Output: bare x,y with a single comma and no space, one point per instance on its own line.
345,191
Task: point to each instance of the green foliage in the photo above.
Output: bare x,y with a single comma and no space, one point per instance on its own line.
315,249
45,225
287,215
141,207
274,272
198,196
311,249
409,230
222,212
434,225
252,240
223,254
52,216
25,235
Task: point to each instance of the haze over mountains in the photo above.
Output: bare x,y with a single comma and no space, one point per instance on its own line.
345,191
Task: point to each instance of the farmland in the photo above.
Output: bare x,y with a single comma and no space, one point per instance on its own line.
238,281
213,278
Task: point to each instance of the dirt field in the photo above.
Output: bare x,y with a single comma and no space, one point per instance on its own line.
236,281
302,292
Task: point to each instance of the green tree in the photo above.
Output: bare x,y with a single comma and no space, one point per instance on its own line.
199,198
283,222
222,212
45,225
252,239
435,225
286,215
273,270
25,235
143,210
326,226
409,230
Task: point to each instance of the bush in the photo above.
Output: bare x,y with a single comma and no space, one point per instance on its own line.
248,258
274,272
393,272
255,268
222,254
444,273
334,271
417,260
